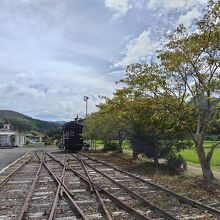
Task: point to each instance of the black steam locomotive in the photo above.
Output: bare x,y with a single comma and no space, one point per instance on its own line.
72,136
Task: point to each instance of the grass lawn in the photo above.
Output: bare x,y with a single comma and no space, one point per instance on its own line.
126,145
191,155
100,144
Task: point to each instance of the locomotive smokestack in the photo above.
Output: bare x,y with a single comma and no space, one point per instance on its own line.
77,118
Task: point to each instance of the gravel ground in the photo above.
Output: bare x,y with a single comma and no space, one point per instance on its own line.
9,155
186,184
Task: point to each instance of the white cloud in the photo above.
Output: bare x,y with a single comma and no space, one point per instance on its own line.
174,4
188,18
192,3
154,4
119,7
49,60
139,4
62,100
138,49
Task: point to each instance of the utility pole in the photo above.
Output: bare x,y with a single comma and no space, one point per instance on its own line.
85,98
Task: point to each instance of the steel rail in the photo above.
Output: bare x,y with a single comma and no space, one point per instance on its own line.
56,199
68,194
115,200
101,203
66,191
16,170
183,199
86,171
128,160
43,157
139,198
28,198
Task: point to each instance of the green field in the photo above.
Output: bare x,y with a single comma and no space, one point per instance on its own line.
191,155
100,144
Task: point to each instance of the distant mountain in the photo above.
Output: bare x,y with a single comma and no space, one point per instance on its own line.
25,123
60,122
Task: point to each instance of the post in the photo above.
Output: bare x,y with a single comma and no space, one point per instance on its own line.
85,98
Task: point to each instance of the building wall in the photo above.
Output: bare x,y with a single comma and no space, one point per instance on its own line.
5,140
20,140
11,138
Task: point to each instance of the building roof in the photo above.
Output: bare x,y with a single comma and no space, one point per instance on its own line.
7,132
4,131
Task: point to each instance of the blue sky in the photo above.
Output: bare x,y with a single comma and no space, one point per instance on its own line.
53,52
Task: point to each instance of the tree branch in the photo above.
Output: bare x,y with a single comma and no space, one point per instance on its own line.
210,153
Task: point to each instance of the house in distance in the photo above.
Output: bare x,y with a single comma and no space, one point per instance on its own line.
11,138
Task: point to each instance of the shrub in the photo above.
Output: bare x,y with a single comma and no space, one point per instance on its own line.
49,141
110,146
175,162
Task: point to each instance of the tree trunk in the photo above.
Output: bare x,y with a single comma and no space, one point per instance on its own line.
205,164
207,173
120,141
135,155
156,160
155,152
185,165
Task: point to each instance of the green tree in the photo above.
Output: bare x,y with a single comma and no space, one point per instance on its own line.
115,120
193,62
152,134
106,125
186,81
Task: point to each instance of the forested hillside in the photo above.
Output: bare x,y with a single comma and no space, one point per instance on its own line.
24,123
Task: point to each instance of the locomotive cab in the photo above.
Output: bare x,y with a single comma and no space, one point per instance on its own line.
72,136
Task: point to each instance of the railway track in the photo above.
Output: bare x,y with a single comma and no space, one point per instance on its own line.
77,186
175,204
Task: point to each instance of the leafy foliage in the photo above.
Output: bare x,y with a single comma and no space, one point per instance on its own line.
175,162
185,84
161,102
112,146
106,125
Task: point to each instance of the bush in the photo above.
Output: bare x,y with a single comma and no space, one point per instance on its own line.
175,162
110,146
86,146
49,141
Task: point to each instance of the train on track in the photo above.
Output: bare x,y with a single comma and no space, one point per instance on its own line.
72,136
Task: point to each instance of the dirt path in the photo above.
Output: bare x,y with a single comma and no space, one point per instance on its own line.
198,170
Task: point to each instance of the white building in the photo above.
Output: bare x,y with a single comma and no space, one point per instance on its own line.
35,139
11,138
